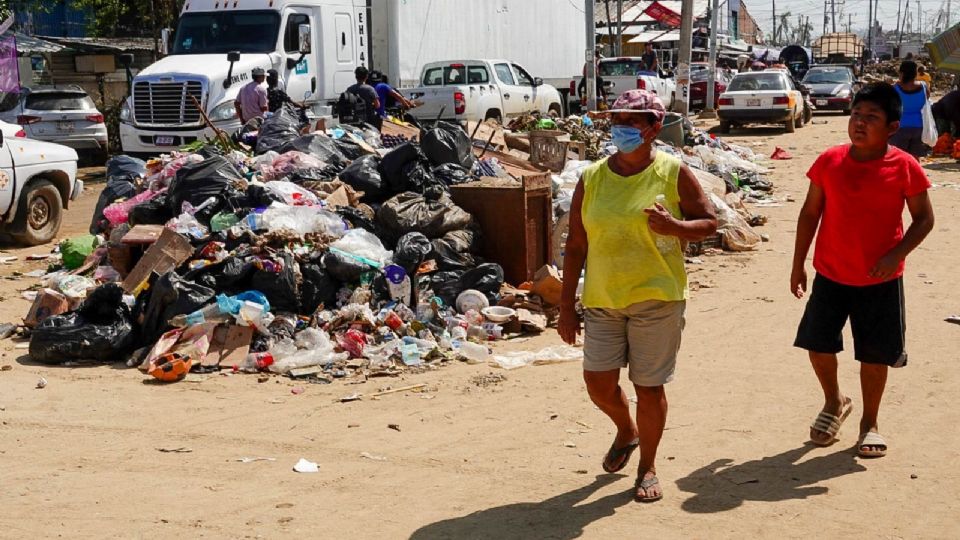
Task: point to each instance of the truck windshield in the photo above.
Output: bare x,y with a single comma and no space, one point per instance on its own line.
219,33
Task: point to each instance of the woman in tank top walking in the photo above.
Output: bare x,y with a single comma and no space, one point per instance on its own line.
913,96
630,216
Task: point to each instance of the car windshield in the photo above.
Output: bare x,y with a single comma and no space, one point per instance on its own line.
616,68
828,76
59,101
756,81
219,33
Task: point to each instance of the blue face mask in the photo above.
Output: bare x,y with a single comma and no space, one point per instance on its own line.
626,138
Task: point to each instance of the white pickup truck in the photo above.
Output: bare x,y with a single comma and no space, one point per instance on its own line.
476,90
620,74
37,182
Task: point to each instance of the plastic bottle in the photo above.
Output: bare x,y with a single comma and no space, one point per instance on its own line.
209,313
188,208
494,331
410,354
257,362
477,333
665,244
474,353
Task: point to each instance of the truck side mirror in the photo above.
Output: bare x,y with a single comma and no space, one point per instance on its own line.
232,57
304,33
537,81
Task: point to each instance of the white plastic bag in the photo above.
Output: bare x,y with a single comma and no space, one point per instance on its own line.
930,135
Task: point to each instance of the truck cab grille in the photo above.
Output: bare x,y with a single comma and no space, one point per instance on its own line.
167,103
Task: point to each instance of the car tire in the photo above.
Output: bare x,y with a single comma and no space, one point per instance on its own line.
555,109
798,121
39,213
790,126
494,114
724,127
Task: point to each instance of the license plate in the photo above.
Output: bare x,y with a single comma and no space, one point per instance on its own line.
65,125
753,103
164,140
822,102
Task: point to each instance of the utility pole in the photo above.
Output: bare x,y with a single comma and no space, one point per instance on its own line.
833,15
906,15
849,23
683,63
708,107
824,17
590,86
870,26
606,5
898,15
775,22
619,27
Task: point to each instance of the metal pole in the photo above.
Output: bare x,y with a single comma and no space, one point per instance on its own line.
774,22
619,27
590,86
683,63
833,15
708,107
906,11
870,27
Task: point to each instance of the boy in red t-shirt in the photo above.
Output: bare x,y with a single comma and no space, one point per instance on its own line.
856,197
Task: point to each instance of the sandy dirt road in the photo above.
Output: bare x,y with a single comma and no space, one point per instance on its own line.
475,458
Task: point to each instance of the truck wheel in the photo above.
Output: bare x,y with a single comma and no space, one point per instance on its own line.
724,127
40,211
494,114
555,109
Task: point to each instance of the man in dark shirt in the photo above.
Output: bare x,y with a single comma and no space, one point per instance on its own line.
367,94
947,112
276,96
649,59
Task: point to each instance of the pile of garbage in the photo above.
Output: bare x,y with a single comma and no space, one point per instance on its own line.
889,71
318,255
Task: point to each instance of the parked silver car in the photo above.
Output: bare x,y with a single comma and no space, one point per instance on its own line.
65,115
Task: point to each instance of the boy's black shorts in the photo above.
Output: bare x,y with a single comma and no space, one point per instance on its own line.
877,318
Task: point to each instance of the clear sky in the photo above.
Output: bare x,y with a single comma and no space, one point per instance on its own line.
887,12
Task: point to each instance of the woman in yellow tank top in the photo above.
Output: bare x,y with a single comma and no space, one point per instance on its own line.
630,215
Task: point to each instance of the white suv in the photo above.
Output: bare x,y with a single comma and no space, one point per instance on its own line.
65,115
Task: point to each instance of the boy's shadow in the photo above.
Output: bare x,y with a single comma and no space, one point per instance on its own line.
559,517
721,486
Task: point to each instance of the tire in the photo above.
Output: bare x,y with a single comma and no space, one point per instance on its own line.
39,211
555,109
798,121
494,114
724,127
790,125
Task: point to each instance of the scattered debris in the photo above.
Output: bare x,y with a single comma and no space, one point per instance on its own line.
42,383
304,466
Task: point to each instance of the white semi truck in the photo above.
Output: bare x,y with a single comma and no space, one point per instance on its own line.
315,45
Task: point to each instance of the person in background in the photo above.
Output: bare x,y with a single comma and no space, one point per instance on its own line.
913,95
582,87
387,94
854,208
649,59
631,214
252,101
366,93
946,112
276,96
924,77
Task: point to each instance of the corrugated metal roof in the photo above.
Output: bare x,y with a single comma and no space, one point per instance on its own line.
88,44
32,45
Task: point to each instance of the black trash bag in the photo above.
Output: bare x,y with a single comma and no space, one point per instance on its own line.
364,175
447,286
156,211
421,180
486,278
392,166
102,329
412,249
462,241
171,295
125,168
116,189
449,258
356,218
343,269
280,288
317,145
452,174
258,196
229,276
279,130
447,143
409,212
314,174
319,288
350,148
197,182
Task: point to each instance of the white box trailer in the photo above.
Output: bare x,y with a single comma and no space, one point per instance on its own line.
547,37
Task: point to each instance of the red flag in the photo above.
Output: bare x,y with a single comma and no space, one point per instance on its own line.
663,14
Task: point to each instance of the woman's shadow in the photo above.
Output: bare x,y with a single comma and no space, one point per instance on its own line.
558,517
721,486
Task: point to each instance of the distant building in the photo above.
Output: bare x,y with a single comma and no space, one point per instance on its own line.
59,19
742,25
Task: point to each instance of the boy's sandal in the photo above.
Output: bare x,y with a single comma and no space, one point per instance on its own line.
830,423
646,483
616,453
872,445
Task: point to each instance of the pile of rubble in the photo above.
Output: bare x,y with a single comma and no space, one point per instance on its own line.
889,71
335,253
